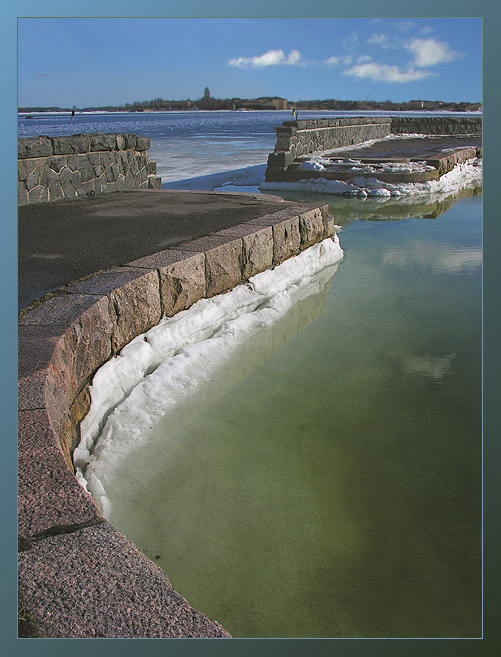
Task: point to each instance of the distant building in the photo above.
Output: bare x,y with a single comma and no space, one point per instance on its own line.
267,102
206,93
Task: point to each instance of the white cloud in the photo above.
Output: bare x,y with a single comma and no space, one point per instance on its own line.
386,73
337,61
270,58
364,58
378,39
430,52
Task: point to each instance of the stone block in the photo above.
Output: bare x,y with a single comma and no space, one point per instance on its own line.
75,162
89,325
257,247
311,227
95,583
286,240
72,144
48,177
24,169
130,141
103,142
134,167
329,225
182,281
142,143
277,160
223,261
33,179
124,162
55,192
86,171
34,147
66,175
134,300
46,377
120,141
49,496
38,195
106,159
155,183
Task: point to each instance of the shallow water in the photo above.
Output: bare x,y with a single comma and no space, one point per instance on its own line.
326,482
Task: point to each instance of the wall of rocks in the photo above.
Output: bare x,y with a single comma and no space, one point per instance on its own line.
78,576
52,168
296,138
437,125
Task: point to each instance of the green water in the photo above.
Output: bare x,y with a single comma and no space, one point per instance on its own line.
327,481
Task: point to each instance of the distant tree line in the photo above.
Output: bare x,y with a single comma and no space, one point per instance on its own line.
209,103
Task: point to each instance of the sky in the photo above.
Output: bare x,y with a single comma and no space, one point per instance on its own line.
113,61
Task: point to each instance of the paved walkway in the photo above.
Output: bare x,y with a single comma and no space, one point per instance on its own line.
414,148
66,240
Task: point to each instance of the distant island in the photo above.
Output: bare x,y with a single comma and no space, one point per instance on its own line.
268,103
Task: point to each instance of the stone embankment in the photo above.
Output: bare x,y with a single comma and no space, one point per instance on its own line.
78,576
52,168
297,139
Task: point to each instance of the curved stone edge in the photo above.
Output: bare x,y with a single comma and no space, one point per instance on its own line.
78,577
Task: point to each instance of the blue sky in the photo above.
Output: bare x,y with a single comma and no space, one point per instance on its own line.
112,61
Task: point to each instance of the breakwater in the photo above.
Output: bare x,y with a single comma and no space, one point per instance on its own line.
78,576
299,138
52,168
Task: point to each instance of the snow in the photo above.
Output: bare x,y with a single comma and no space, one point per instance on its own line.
463,175
161,368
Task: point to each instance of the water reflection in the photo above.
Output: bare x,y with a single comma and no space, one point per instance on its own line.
430,366
438,257
327,481
420,206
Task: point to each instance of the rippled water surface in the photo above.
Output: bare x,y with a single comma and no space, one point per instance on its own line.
327,481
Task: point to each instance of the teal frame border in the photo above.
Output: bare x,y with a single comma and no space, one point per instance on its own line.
491,643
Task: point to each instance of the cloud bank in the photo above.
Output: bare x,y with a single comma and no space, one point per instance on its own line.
270,58
424,53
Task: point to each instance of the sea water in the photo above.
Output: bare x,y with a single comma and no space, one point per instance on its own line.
325,480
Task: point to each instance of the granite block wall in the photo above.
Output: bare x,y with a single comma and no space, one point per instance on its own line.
78,577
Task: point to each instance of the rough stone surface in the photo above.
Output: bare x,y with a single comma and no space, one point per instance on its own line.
182,283
90,324
223,262
111,588
286,235
96,160
44,351
257,247
311,227
134,300
45,475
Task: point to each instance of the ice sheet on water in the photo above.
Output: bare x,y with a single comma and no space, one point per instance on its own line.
161,368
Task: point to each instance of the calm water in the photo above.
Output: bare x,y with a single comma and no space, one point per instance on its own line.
327,481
